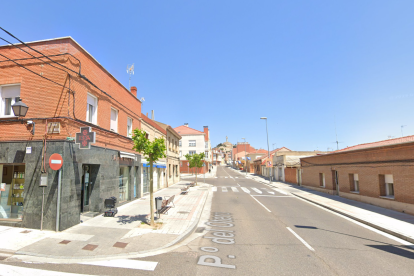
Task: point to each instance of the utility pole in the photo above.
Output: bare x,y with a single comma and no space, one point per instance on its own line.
245,159
267,134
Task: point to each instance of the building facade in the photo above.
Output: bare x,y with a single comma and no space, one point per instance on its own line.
71,98
194,141
379,173
173,158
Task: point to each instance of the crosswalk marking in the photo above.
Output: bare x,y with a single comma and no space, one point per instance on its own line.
267,191
17,270
224,189
234,189
257,190
125,263
237,177
245,190
214,189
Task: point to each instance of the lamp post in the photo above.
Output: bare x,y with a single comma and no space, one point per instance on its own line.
267,134
20,110
245,159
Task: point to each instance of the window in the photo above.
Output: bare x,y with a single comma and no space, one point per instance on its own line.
192,143
389,185
206,145
354,182
114,120
146,136
179,143
9,95
91,109
181,153
322,180
129,127
191,152
206,154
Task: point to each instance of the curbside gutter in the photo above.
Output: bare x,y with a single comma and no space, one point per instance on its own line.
373,225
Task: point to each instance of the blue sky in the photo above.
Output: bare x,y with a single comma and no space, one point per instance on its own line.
303,64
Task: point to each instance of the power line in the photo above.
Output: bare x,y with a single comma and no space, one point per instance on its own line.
80,75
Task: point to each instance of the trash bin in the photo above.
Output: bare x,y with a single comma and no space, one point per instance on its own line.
158,203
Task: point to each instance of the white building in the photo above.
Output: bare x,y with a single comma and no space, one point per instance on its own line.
193,141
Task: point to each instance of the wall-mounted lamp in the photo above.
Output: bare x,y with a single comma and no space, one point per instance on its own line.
20,110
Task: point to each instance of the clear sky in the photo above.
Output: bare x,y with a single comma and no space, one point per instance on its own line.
303,64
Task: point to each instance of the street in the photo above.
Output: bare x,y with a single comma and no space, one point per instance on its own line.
256,230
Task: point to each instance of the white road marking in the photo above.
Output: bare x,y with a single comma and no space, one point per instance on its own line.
214,189
404,242
237,177
234,189
245,190
125,263
256,190
216,177
17,270
302,240
261,204
274,195
224,189
280,191
225,177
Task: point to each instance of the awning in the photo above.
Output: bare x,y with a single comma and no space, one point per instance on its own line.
123,154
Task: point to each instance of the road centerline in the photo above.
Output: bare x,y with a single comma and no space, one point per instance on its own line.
261,204
302,240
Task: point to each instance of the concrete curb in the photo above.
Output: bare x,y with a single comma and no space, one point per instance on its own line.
373,225
138,254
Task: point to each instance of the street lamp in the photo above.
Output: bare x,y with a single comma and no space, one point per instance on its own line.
20,110
267,134
245,159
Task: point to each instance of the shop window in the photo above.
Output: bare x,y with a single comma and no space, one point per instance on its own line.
114,120
129,127
9,95
322,180
124,183
12,191
91,109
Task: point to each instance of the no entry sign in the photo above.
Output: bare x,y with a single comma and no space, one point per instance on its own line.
55,161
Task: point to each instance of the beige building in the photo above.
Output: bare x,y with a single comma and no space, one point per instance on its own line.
173,156
153,131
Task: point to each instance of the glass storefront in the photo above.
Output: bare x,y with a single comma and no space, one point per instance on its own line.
123,183
12,185
145,177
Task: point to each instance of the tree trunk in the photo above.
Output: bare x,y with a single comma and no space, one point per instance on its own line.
196,174
151,193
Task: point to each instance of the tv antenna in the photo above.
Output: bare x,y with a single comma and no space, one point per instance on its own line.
402,135
274,145
130,71
336,135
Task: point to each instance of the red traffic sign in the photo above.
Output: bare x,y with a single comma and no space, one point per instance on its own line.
55,161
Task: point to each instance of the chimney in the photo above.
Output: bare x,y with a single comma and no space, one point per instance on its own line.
134,91
206,132
152,114
147,114
186,124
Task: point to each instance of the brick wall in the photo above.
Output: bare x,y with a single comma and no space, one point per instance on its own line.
47,100
370,165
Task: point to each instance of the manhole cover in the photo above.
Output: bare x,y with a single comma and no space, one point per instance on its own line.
183,212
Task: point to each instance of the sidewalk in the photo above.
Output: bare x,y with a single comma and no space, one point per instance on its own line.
121,236
392,222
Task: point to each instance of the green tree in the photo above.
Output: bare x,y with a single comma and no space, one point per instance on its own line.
195,161
154,150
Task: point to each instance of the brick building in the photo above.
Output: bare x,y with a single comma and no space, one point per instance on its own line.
379,173
61,100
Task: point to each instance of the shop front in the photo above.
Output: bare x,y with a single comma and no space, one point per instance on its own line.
12,189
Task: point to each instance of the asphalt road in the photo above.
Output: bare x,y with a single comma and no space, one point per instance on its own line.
270,233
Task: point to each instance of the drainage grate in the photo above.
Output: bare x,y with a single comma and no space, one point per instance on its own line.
200,229
183,212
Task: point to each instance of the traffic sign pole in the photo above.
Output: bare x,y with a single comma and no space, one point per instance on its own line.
55,163
58,200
